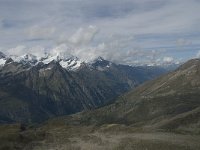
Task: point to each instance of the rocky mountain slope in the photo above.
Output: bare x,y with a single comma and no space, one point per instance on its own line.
160,114
34,89
170,102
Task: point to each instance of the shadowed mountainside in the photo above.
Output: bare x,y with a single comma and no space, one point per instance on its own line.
35,93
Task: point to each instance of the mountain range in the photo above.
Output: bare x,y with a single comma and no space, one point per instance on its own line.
170,102
162,113
33,89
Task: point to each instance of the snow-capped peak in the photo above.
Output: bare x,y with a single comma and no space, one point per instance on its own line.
2,59
2,55
71,63
99,59
25,59
66,61
100,64
49,58
29,58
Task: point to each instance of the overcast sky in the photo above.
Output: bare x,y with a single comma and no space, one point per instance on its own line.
124,31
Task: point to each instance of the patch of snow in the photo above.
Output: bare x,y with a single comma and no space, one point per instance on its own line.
49,59
151,64
76,66
26,58
2,62
71,64
67,61
15,58
64,64
49,68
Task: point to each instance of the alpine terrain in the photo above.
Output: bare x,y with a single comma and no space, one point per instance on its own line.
34,89
162,114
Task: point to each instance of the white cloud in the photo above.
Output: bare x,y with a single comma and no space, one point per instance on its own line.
168,59
37,32
83,36
198,54
21,50
129,30
130,57
183,42
1,24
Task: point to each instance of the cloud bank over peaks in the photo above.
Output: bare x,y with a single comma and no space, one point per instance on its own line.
83,36
117,48
123,31
21,50
183,42
198,54
87,54
37,32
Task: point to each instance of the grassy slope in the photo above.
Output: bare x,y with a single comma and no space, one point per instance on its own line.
13,138
159,101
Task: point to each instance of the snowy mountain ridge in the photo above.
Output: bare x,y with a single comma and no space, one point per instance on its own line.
66,61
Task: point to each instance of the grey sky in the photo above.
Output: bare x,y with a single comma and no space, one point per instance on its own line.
125,31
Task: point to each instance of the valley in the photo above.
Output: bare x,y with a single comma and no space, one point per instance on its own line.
99,75
148,117
34,90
